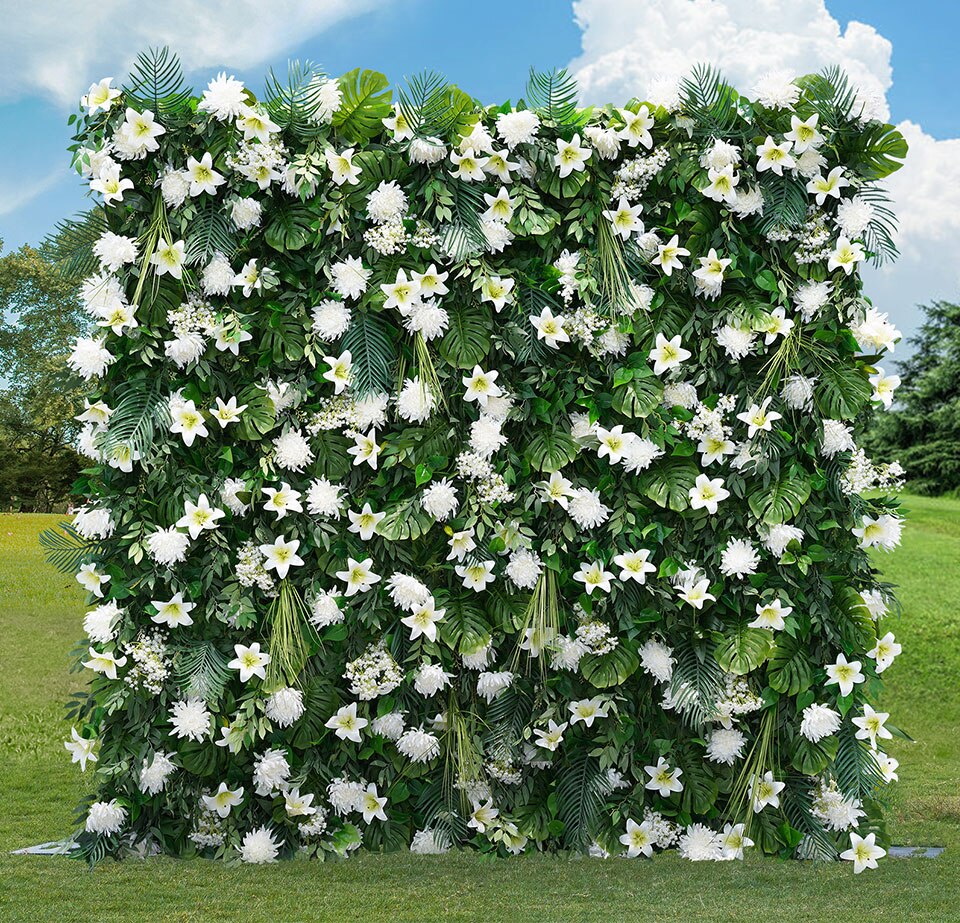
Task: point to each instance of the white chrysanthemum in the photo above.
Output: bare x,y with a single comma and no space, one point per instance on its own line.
344,795
440,500
431,678
90,358
186,348
725,745
190,719
87,442
168,546
94,523
349,277
875,602
115,251
497,235
567,653
174,187
680,394
327,95
524,569
106,817
100,623
722,154
657,660
427,319
224,98
811,163
416,401
324,498
388,202
259,847
371,411
739,559
430,843
810,297
700,844
486,437
390,725
797,392
490,685
419,745
776,90
154,775
640,454
735,341
331,319
246,213
101,295
664,91
326,610
427,150
586,508
613,342
517,127
480,658
819,721
749,201
875,333
605,141
581,428
218,276
270,771
407,592
837,437
285,706
779,536
854,216
292,451
232,487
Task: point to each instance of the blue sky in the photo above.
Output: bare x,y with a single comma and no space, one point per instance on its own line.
488,48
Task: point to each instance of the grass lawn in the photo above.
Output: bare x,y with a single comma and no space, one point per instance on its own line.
40,612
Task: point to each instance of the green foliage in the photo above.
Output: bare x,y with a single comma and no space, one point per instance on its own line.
670,484
467,340
841,392
550,451
200,669
580,793
611,669
156,83
553,95
789,669
369,343
70,246
136,418
295,102
741,649
780,500
432,106
710,101
66,549
366,103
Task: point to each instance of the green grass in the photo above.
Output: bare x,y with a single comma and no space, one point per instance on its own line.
40,614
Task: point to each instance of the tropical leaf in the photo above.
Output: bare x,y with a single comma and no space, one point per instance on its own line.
841,391
554,94
790,669
432,106
464,626
785,201
780,501
65,548
70,246
710,101
670,482
201,670
812,758
741,649
295,102
142,409
639,396
365,104
369,342
581,789
551,449
696,683
331,457
156,83
260,415
875,152
290,229
467,340
407,521
319,703
855,768
210,232
610,669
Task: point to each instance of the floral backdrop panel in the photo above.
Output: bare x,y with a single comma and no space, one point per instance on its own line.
465,475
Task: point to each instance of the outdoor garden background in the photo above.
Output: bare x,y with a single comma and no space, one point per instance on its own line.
43,314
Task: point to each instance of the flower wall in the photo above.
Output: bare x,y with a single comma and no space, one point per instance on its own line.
480,476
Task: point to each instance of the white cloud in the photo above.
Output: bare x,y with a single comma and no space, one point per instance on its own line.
627,46
14,195
56,48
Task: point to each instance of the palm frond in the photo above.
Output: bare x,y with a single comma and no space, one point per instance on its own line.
201,670
710,101
431,105
832,96
369,342
553,94
156,83
295,102
784,203
696,684
66,549
796,801
142,409
881,232
70,245
856,769
210,232
581,790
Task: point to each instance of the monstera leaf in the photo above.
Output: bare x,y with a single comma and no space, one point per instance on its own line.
669,484
742,649
780,500
550,450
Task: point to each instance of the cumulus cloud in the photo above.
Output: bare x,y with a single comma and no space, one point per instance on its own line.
56,48
627,48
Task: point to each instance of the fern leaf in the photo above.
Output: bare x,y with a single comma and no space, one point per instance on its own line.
581,789
710,101
201,670
135,419
65,548
295,103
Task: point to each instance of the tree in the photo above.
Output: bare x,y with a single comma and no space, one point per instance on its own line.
40,314
923,429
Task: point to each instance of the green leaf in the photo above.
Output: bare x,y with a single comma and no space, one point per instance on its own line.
156,83
319,703
780,500
581,789
841,392
812,758
331,457
290,229
877,151
669,484
789,669
467,340
65,548
201,670
407,521
259,417
551,449
365,104
464,626
370,344
554,94
639,396
610,669
742,649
